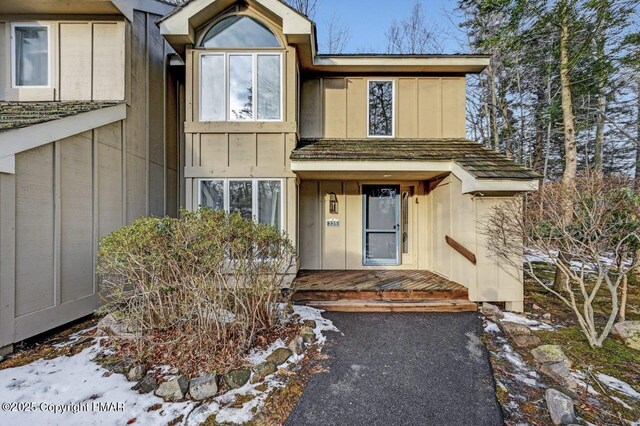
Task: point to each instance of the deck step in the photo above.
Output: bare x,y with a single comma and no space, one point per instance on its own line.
384,295
451,305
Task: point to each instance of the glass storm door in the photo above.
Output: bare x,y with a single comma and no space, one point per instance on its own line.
381,224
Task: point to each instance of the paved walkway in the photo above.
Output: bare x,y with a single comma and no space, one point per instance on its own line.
402,369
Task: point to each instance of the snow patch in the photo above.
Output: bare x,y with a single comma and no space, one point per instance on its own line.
77,380
619,385
532,324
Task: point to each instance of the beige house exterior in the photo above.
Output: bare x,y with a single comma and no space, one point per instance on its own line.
115,109
357,191
89,141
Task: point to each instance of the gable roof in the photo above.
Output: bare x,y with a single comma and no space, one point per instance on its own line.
179,28
480,162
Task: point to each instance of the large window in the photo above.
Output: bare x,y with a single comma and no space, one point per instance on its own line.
380,104
241,86
239,31
30,55
258,199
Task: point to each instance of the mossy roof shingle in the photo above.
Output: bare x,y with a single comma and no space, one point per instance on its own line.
14,115
479,161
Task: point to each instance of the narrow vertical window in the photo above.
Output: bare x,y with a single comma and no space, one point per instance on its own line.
31,55
240,87
381,108
212,194
269,201
404,209
268,82
212,88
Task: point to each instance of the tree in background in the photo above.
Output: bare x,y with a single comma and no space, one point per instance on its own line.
412,35
338,35
307,7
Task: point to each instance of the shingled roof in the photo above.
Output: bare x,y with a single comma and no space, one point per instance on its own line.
14,115
477,160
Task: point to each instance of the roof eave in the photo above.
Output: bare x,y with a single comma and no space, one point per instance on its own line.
464,64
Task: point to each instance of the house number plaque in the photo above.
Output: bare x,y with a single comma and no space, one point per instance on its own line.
333,223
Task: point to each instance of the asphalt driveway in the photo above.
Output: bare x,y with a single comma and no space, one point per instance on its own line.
402,369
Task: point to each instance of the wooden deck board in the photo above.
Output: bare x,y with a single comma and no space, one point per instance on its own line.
373,280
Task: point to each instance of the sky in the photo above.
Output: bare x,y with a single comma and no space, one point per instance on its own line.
368,21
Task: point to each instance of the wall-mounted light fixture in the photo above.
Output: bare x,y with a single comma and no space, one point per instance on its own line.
333,203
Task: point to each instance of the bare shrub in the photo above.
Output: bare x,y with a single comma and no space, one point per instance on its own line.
209,283
593,250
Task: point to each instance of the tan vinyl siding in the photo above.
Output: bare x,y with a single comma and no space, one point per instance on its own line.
67,194
87,61
425,107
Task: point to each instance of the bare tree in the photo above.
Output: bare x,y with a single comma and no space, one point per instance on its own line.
412,35
338,35
306,7
600,241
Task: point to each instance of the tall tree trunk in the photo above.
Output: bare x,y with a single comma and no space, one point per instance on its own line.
637,176
602,103
568,118
493,117
538,147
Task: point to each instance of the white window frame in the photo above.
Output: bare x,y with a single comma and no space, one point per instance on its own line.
254,78
393,107
14,76
254,194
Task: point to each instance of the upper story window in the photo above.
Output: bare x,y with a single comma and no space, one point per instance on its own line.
30,55
239,31
240,86
381,108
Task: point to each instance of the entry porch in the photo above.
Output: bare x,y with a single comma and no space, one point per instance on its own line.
372,290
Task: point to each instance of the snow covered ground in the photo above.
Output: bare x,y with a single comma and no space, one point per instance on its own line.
77,391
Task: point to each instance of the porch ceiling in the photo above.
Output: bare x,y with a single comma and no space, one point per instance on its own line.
372,175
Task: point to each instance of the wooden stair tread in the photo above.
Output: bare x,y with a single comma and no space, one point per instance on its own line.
450,305
389,295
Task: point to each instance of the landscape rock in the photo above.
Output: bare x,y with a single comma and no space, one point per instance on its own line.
547,354
492,311
147,384
629,333
310,323
297,345
536,307
546,316
173,389
526,341
279,356
136,373
308,335
121,366
237,378
202,387
514,329
560,407
262,370
111,326
560,372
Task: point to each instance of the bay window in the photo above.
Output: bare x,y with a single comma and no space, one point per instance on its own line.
30,54
254,199
240,87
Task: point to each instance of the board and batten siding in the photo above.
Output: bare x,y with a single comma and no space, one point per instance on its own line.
87,61
247,149
67,194
442,211
425,107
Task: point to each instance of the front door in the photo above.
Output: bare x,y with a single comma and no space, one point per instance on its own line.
381,222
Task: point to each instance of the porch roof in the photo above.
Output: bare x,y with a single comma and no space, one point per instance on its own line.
480,162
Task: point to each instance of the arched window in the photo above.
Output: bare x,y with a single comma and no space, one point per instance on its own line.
239,31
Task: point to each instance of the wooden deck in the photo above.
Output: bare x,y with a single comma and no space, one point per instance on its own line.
380,291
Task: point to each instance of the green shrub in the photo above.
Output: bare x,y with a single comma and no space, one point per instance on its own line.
209,279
